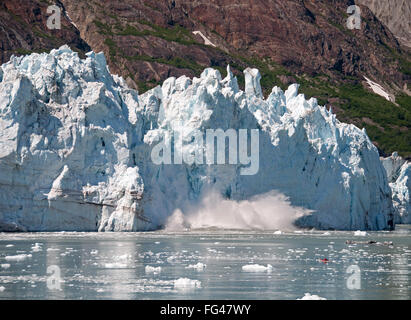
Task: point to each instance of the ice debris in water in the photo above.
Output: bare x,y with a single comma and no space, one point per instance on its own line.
257,268
19,257
309,296
360,233
150,269
37,247
115,265
185,283
199,266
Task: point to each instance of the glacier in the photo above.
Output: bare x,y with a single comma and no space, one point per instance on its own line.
399,178
76,143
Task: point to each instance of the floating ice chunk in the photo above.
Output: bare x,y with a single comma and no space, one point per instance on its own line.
116,265
360,233
155,270
199,266
5,265
309,296
185,283
10,246
2,289
52,249
94,252
36,247
257,268
124,257
19,257
278,232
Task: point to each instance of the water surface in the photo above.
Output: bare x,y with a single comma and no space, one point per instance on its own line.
113,265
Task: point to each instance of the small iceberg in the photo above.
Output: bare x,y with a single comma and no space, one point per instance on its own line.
257,268
309,296
185,283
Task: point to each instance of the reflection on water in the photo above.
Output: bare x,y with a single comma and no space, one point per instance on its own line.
113,265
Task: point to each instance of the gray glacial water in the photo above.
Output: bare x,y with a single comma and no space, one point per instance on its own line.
113,265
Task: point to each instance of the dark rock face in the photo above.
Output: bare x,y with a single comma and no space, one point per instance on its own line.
148,41
23,29
303,36
396,15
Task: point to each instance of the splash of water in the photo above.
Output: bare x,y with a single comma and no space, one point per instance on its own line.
270,211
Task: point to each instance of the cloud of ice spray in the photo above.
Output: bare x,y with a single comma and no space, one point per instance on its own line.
270,211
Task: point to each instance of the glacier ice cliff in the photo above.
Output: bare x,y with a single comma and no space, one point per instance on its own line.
399,178
76,142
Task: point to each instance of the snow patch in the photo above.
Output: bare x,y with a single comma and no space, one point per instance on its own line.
206,40
378,89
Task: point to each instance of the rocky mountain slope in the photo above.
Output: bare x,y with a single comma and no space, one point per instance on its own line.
396,14
23,30
147,41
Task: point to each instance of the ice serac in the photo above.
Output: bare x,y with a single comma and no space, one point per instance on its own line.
66,131
76,145
399,178
392,166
